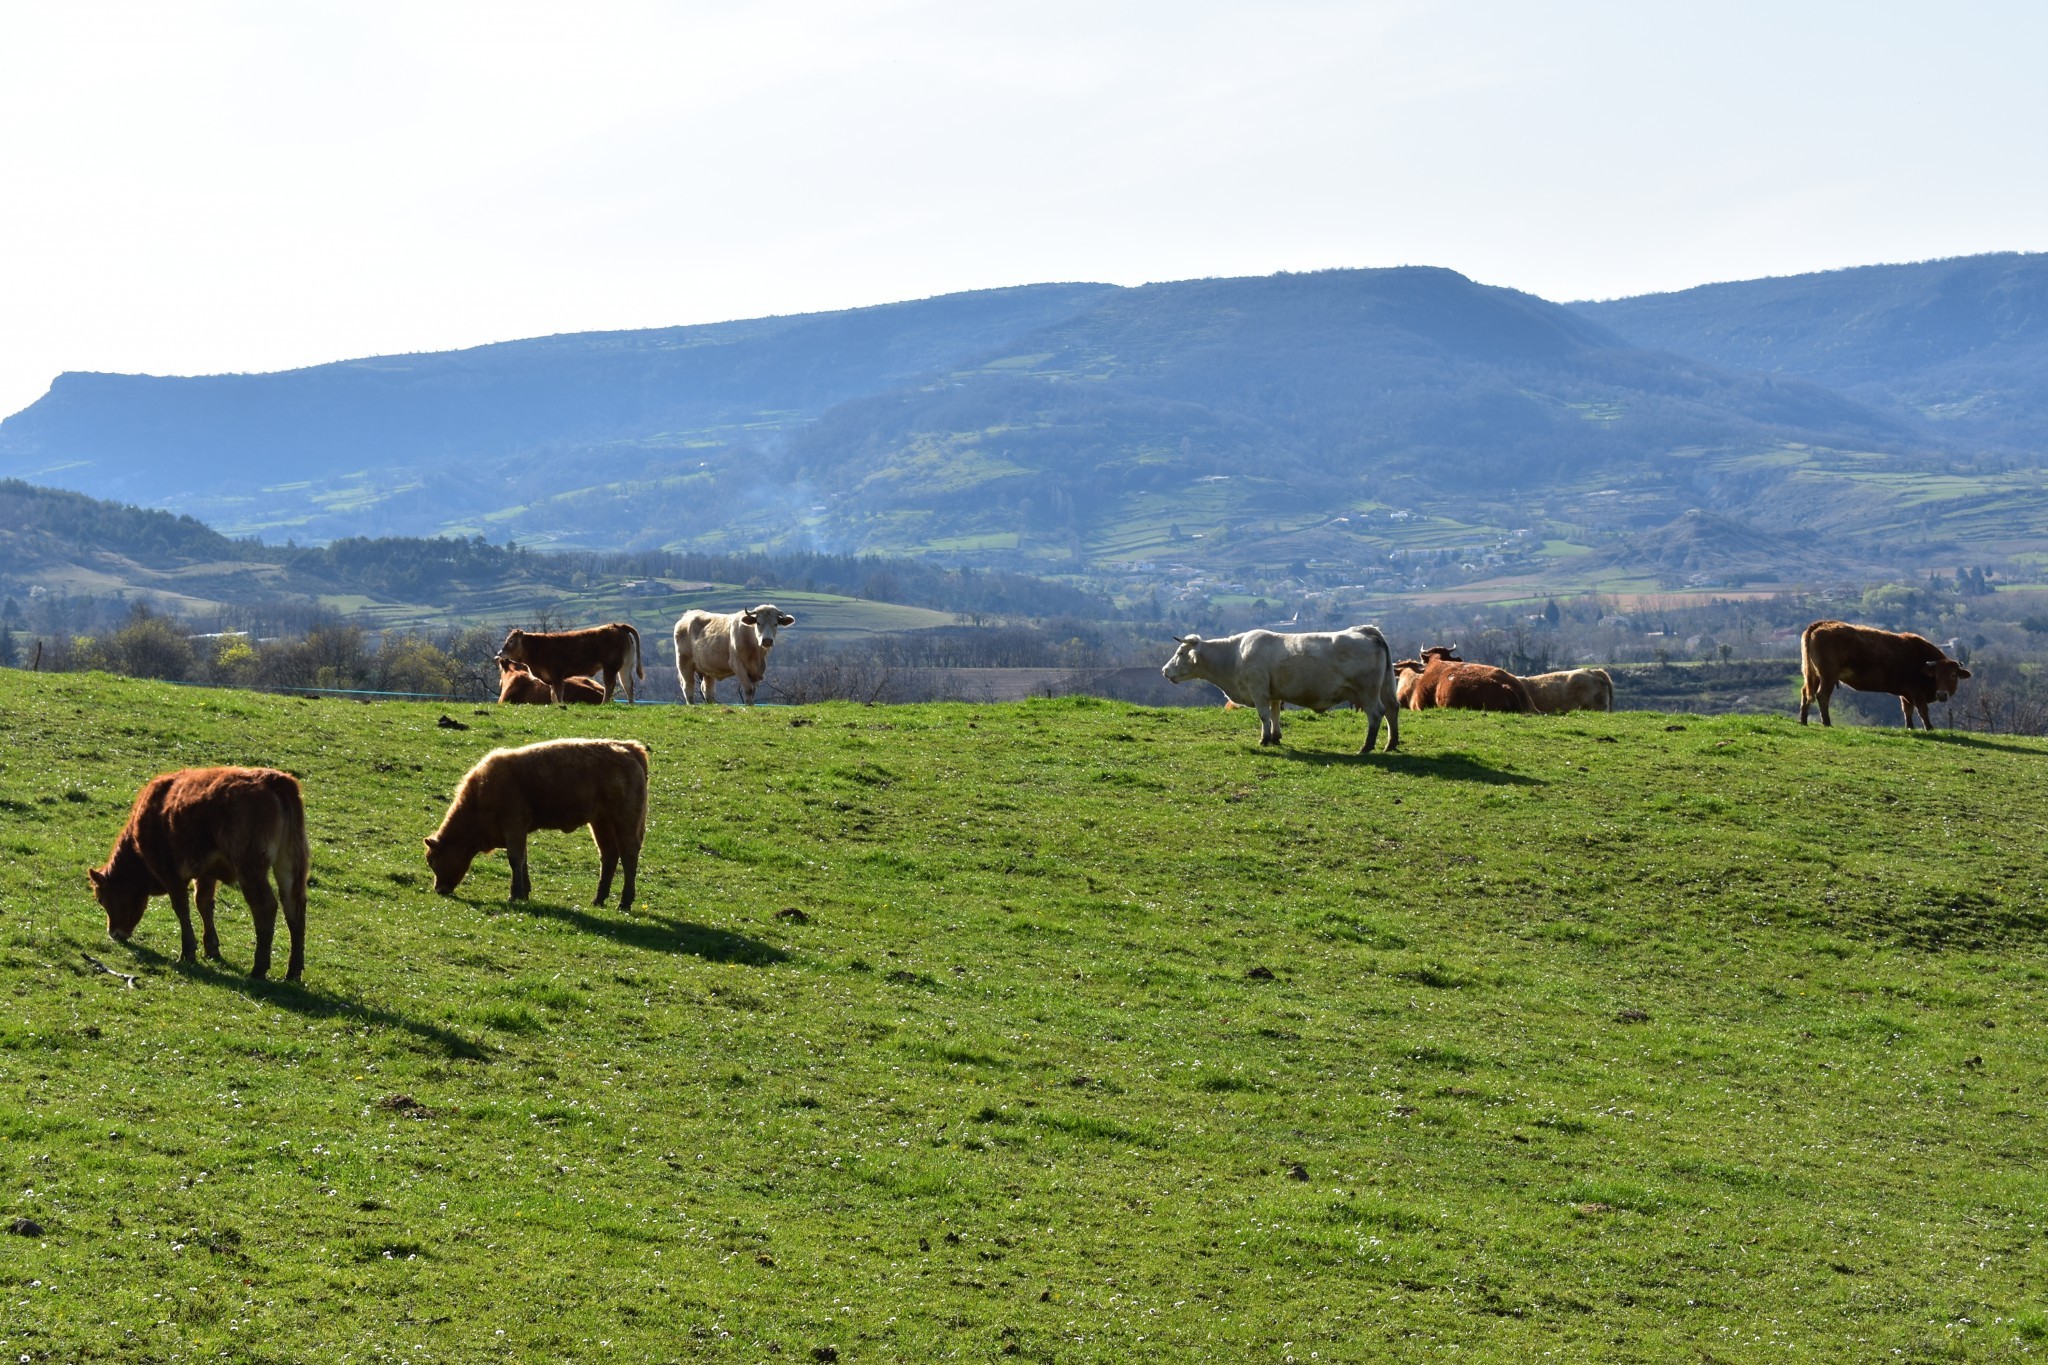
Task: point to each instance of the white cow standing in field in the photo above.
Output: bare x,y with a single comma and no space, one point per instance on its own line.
1315,669
710,646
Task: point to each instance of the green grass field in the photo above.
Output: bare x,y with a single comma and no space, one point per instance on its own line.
1101,1033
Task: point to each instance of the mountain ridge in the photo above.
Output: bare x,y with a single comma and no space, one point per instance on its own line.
1373,427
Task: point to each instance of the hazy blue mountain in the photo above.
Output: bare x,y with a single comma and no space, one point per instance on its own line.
1960,343
416,430
1363,420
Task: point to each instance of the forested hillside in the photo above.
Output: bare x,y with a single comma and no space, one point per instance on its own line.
1961,344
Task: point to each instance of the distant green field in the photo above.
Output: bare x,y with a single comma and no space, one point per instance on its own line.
1066,1031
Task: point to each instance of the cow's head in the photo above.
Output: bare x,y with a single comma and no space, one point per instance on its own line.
506,666
766,620
1947,675
124,901
449,863
1186,661
1448,653
514,648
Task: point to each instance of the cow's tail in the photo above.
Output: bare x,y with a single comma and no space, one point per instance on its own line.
639,671
294,863
1809,671
1606,688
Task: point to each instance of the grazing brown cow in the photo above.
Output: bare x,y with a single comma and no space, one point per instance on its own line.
710,647
558,784
242,826
1911,667
1574,689
517,686
559,655
1441,678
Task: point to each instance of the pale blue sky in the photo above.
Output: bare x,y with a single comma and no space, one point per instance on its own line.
205,187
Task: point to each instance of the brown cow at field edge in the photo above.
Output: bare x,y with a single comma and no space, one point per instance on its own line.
557,656
1574,689
242,826
557,784
710,646
1911,667
516,686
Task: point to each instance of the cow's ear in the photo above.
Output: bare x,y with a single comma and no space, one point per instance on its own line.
1962,672
746,618
431,842
786,619
99,878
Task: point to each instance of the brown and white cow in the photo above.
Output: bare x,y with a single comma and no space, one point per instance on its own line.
1573,689
557,784
242,826
1911,667
1315,670
710,647
556,656
516,686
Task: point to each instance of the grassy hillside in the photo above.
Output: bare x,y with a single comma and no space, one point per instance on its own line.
1097,1032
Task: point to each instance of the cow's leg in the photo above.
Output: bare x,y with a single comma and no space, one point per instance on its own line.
515,853
209,940
1269,721
608,857
181,901
710,690
629,854
611,682
1826,692
1372,729
294,898
255,882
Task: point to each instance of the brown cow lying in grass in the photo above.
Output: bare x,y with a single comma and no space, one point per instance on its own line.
1911,667
558,784
516,686
1441,678
1574,689
557,656
242,826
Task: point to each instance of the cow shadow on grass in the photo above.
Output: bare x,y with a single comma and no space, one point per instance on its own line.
314,1002
652,932
1448,767
1973,742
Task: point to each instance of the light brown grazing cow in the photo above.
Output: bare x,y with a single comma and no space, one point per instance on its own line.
710,647
559,655
1911,667
1574,689
242,826
517,686
1441,678
557,784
